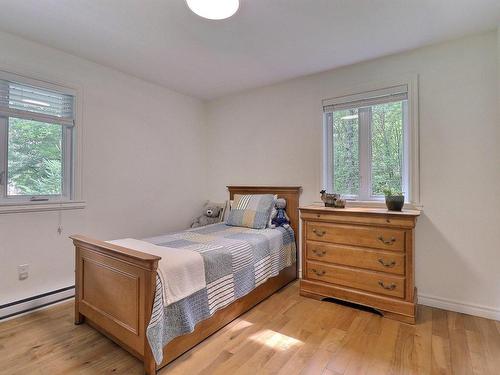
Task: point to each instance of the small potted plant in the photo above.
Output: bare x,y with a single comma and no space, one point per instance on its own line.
394,200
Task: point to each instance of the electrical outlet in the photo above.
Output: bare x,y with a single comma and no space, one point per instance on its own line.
23,271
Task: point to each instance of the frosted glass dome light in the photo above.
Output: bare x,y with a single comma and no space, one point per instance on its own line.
214,9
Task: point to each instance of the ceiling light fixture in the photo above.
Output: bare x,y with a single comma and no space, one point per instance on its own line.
214,9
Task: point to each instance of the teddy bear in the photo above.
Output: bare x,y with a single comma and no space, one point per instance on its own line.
211,215
280,219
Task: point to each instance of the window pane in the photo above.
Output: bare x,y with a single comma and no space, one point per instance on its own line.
387,147
34,158
346,152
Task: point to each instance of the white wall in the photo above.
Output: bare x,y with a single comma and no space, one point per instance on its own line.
143,167
272,136
144,171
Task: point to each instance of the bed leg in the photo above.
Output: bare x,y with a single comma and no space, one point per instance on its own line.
149,365
149,361
79,318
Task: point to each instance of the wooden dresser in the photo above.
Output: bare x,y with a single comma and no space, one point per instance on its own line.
360,255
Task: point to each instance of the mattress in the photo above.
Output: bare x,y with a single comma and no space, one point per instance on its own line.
236,260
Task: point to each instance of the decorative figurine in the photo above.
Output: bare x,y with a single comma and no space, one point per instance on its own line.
332,199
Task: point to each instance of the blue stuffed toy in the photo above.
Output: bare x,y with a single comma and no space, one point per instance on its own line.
280,219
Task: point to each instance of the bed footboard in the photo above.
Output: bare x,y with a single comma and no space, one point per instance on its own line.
114,293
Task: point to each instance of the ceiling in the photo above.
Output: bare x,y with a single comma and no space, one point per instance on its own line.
265,42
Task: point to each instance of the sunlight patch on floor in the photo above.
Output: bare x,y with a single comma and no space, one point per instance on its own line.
275,340
242,324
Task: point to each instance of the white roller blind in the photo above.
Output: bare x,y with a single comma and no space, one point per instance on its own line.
366,99
35,103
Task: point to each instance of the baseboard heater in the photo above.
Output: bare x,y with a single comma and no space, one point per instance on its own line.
31,303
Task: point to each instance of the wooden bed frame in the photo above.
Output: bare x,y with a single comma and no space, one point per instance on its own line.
115,289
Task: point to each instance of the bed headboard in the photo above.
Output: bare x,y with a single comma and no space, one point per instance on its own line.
290,193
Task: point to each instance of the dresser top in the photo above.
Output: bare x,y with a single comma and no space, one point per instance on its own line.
360,210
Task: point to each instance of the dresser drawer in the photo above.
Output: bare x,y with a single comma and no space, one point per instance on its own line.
375,260
390,285
381,220
376,237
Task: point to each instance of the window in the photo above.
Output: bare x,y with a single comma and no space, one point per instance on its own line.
367,144
36,141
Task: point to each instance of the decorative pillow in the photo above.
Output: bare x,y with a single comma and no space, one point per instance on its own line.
251,211
227,210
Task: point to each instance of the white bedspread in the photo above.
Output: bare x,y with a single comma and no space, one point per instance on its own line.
181,271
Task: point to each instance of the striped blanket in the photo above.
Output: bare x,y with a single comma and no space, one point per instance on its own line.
236,260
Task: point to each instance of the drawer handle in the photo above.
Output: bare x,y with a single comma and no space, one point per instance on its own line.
319,253
387,287
319,233
318,272
387,242
387,264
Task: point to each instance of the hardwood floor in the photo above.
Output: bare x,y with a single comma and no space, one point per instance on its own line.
285,334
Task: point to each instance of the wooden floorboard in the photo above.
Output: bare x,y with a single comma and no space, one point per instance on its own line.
285,334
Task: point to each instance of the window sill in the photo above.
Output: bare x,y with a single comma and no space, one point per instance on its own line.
19,207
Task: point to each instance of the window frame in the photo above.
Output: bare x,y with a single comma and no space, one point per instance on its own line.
66,170
71,194
410,171
3,156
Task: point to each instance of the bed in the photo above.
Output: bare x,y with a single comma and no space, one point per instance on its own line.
116,286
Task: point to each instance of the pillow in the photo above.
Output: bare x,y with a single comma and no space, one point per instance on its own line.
227,209
274,211
251,211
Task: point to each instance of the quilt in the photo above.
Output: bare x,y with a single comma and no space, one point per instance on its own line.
236,260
